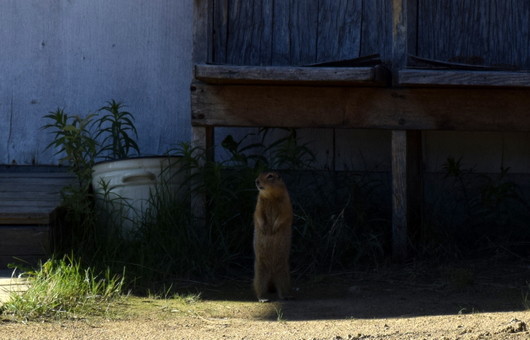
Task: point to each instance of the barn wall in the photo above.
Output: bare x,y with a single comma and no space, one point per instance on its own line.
80,54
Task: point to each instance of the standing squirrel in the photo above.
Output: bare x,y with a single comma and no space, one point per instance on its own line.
273,218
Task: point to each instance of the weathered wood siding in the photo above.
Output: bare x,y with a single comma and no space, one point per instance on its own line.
488,32
293,32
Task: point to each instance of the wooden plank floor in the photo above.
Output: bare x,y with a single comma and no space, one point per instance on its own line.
27,198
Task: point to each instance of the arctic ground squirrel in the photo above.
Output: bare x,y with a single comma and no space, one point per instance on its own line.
273,219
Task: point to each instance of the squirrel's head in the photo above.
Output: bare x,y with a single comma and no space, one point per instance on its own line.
270,184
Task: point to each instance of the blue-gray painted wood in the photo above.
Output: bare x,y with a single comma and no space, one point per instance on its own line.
484,32
294,32
80,54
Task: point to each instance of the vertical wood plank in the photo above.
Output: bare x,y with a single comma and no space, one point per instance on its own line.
202,31
399,36
239,36
407,190
399,195
249,32
475,31
339,30
219,31
399,139
412,27
376,35
303,32
201,139
281,33
265,32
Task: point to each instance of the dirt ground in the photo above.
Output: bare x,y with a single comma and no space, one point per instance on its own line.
464,301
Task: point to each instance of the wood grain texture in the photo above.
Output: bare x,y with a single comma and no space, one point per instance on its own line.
486,32
367,107
293,32
376,34
464,78
339,24
28,198
224,74
399,33
202,28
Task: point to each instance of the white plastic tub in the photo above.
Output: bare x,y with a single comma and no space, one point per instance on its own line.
125,186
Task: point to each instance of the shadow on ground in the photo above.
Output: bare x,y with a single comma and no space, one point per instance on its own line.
396,292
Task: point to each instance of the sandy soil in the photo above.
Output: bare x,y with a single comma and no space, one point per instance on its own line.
486,301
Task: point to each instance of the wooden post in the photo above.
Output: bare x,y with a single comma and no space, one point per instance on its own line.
201,137
407,189
399,195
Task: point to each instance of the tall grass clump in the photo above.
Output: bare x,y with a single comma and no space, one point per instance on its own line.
173,243
476,214
63,288
340,219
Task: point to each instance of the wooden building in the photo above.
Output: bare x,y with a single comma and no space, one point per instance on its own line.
403,65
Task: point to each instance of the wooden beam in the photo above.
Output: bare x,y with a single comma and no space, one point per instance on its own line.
288,75
489,109
412,77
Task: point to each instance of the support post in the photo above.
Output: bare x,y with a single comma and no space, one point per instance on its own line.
201,137
407,190
201,140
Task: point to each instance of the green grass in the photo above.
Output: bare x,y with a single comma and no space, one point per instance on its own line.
62,288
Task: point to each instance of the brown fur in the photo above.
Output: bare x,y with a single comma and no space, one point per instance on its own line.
272,236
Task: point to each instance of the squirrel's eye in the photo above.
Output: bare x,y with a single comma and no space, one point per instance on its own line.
270,176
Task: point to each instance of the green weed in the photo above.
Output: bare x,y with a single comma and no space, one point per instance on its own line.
336,225
65,289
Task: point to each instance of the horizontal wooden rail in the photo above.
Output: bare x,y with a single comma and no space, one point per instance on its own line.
291,75
413,77
489,109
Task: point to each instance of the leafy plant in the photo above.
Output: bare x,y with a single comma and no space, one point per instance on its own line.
336,225
73,139
117,132
83,140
